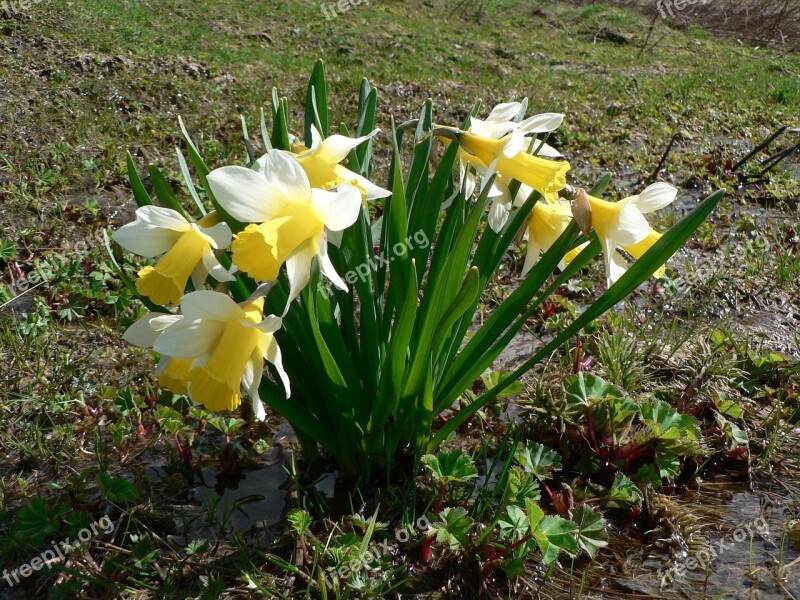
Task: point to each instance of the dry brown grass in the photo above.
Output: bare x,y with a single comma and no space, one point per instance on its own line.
774,22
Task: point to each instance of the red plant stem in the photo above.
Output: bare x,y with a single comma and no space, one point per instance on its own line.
427,543
576,367
501,552
590,428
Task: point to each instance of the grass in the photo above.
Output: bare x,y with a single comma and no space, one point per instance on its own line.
86,430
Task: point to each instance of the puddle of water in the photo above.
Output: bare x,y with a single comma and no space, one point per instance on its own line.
253,502
741,538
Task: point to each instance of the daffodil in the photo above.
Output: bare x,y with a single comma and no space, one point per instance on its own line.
172,373
322,163
508,157
622,224
288,219
503,120
187,249
546,223
225,345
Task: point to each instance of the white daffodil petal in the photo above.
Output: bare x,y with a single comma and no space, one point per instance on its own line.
531,256
189,338
161,321
142,333
515,144
655,197
523,194
220,235
258,166
543,123
335,237
214,306
282,170
199,276
145,240
251,379
215,268
617,268
327,268
336,148
275,358
609,249
544,150
246,194
338,209
470,182
373,191
506,111
298,270
316,138
632,227
269,324
491,129
165,218
498,214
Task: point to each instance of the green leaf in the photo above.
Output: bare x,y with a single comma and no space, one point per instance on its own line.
668,465
591,534
316,103
452,527
226,425
492,378
729,408
666,423
535,513
300,521
514,523
117,489
539,460
36,521
166,197
7,250
140,194
555,535
624,492
586,389
449,467
76,520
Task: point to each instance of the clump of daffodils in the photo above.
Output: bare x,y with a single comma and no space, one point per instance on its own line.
277,218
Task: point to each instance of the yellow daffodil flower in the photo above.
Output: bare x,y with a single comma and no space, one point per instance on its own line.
622,224
321,164
187,248
546,223
288,219
224,345
508,157
502,121
172,373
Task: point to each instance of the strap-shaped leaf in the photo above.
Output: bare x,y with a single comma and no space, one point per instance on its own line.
166,197
316,103
202,172
140,194
187,180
